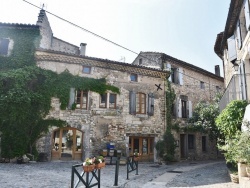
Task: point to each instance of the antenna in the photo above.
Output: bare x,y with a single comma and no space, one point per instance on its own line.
43,6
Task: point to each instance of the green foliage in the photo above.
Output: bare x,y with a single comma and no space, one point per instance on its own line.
234,143
166,146
203,119
26,91
230,119
24,43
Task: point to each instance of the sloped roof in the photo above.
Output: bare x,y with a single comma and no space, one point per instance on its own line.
183,64
49,55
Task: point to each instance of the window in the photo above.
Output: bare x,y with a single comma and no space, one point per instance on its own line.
184,108
112,100
204,143
133,77
81,99
217,88
137,103
140,103
190,141
86,69
176,76
103,101
140,61
4,45
202,85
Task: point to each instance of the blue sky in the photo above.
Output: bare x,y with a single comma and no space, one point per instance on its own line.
184,29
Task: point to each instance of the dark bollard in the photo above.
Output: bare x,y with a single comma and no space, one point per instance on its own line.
117,171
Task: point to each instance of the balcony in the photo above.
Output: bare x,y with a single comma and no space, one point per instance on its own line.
236,90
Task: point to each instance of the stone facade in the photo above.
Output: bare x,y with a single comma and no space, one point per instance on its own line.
191,85
104,125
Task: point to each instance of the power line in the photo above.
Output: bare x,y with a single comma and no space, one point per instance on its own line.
105,39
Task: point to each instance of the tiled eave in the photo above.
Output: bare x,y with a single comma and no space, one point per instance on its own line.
17,25
46,55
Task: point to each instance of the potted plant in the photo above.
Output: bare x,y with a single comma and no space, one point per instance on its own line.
99,162
88,165
136,156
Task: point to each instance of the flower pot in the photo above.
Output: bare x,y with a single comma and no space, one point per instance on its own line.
88,168
136,158
100,165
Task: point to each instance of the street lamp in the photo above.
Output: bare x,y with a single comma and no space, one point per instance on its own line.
236,65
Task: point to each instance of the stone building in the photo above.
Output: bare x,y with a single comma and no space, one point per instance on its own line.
129,121
232,46
191,85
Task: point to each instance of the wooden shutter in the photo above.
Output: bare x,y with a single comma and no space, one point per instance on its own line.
150,104
243,81
190,110
4,45
239,39
246,11
179,108
180,76
132,102
71,97
169,69
231,48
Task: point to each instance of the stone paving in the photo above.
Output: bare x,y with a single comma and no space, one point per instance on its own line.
57,174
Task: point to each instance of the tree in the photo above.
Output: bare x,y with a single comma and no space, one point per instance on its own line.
204,116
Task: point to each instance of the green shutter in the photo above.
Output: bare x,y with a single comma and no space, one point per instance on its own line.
71,97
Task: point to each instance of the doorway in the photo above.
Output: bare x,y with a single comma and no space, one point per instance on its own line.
143,145
67,144
183,146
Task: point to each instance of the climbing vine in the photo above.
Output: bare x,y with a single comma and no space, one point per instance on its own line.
166,146
26,91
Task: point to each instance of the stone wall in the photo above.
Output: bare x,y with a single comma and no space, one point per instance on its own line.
104,125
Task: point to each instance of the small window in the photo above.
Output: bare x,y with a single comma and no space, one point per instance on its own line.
112,100
202,85
81,99
133,77
103,100
204,143
86,69
173,75
140,61
4,45
217,88
190,141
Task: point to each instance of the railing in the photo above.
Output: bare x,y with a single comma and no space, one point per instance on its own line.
132,164
88,180
236,90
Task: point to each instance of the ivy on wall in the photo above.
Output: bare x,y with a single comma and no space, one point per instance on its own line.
166,146
26,91
25,41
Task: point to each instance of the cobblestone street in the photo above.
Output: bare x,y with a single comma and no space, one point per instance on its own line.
58,175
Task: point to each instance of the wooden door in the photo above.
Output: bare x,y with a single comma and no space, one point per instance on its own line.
143,145
67,144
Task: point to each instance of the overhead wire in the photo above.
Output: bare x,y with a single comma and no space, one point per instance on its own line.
103,38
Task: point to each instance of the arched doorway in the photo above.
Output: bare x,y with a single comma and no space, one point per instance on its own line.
67,144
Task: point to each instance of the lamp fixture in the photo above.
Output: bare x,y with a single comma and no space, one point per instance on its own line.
236,65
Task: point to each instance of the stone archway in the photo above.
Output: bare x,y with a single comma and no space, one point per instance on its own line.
67,144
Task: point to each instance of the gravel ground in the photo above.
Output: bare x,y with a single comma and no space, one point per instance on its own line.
58,175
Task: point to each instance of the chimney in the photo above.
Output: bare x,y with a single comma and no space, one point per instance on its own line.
83,49
217,70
